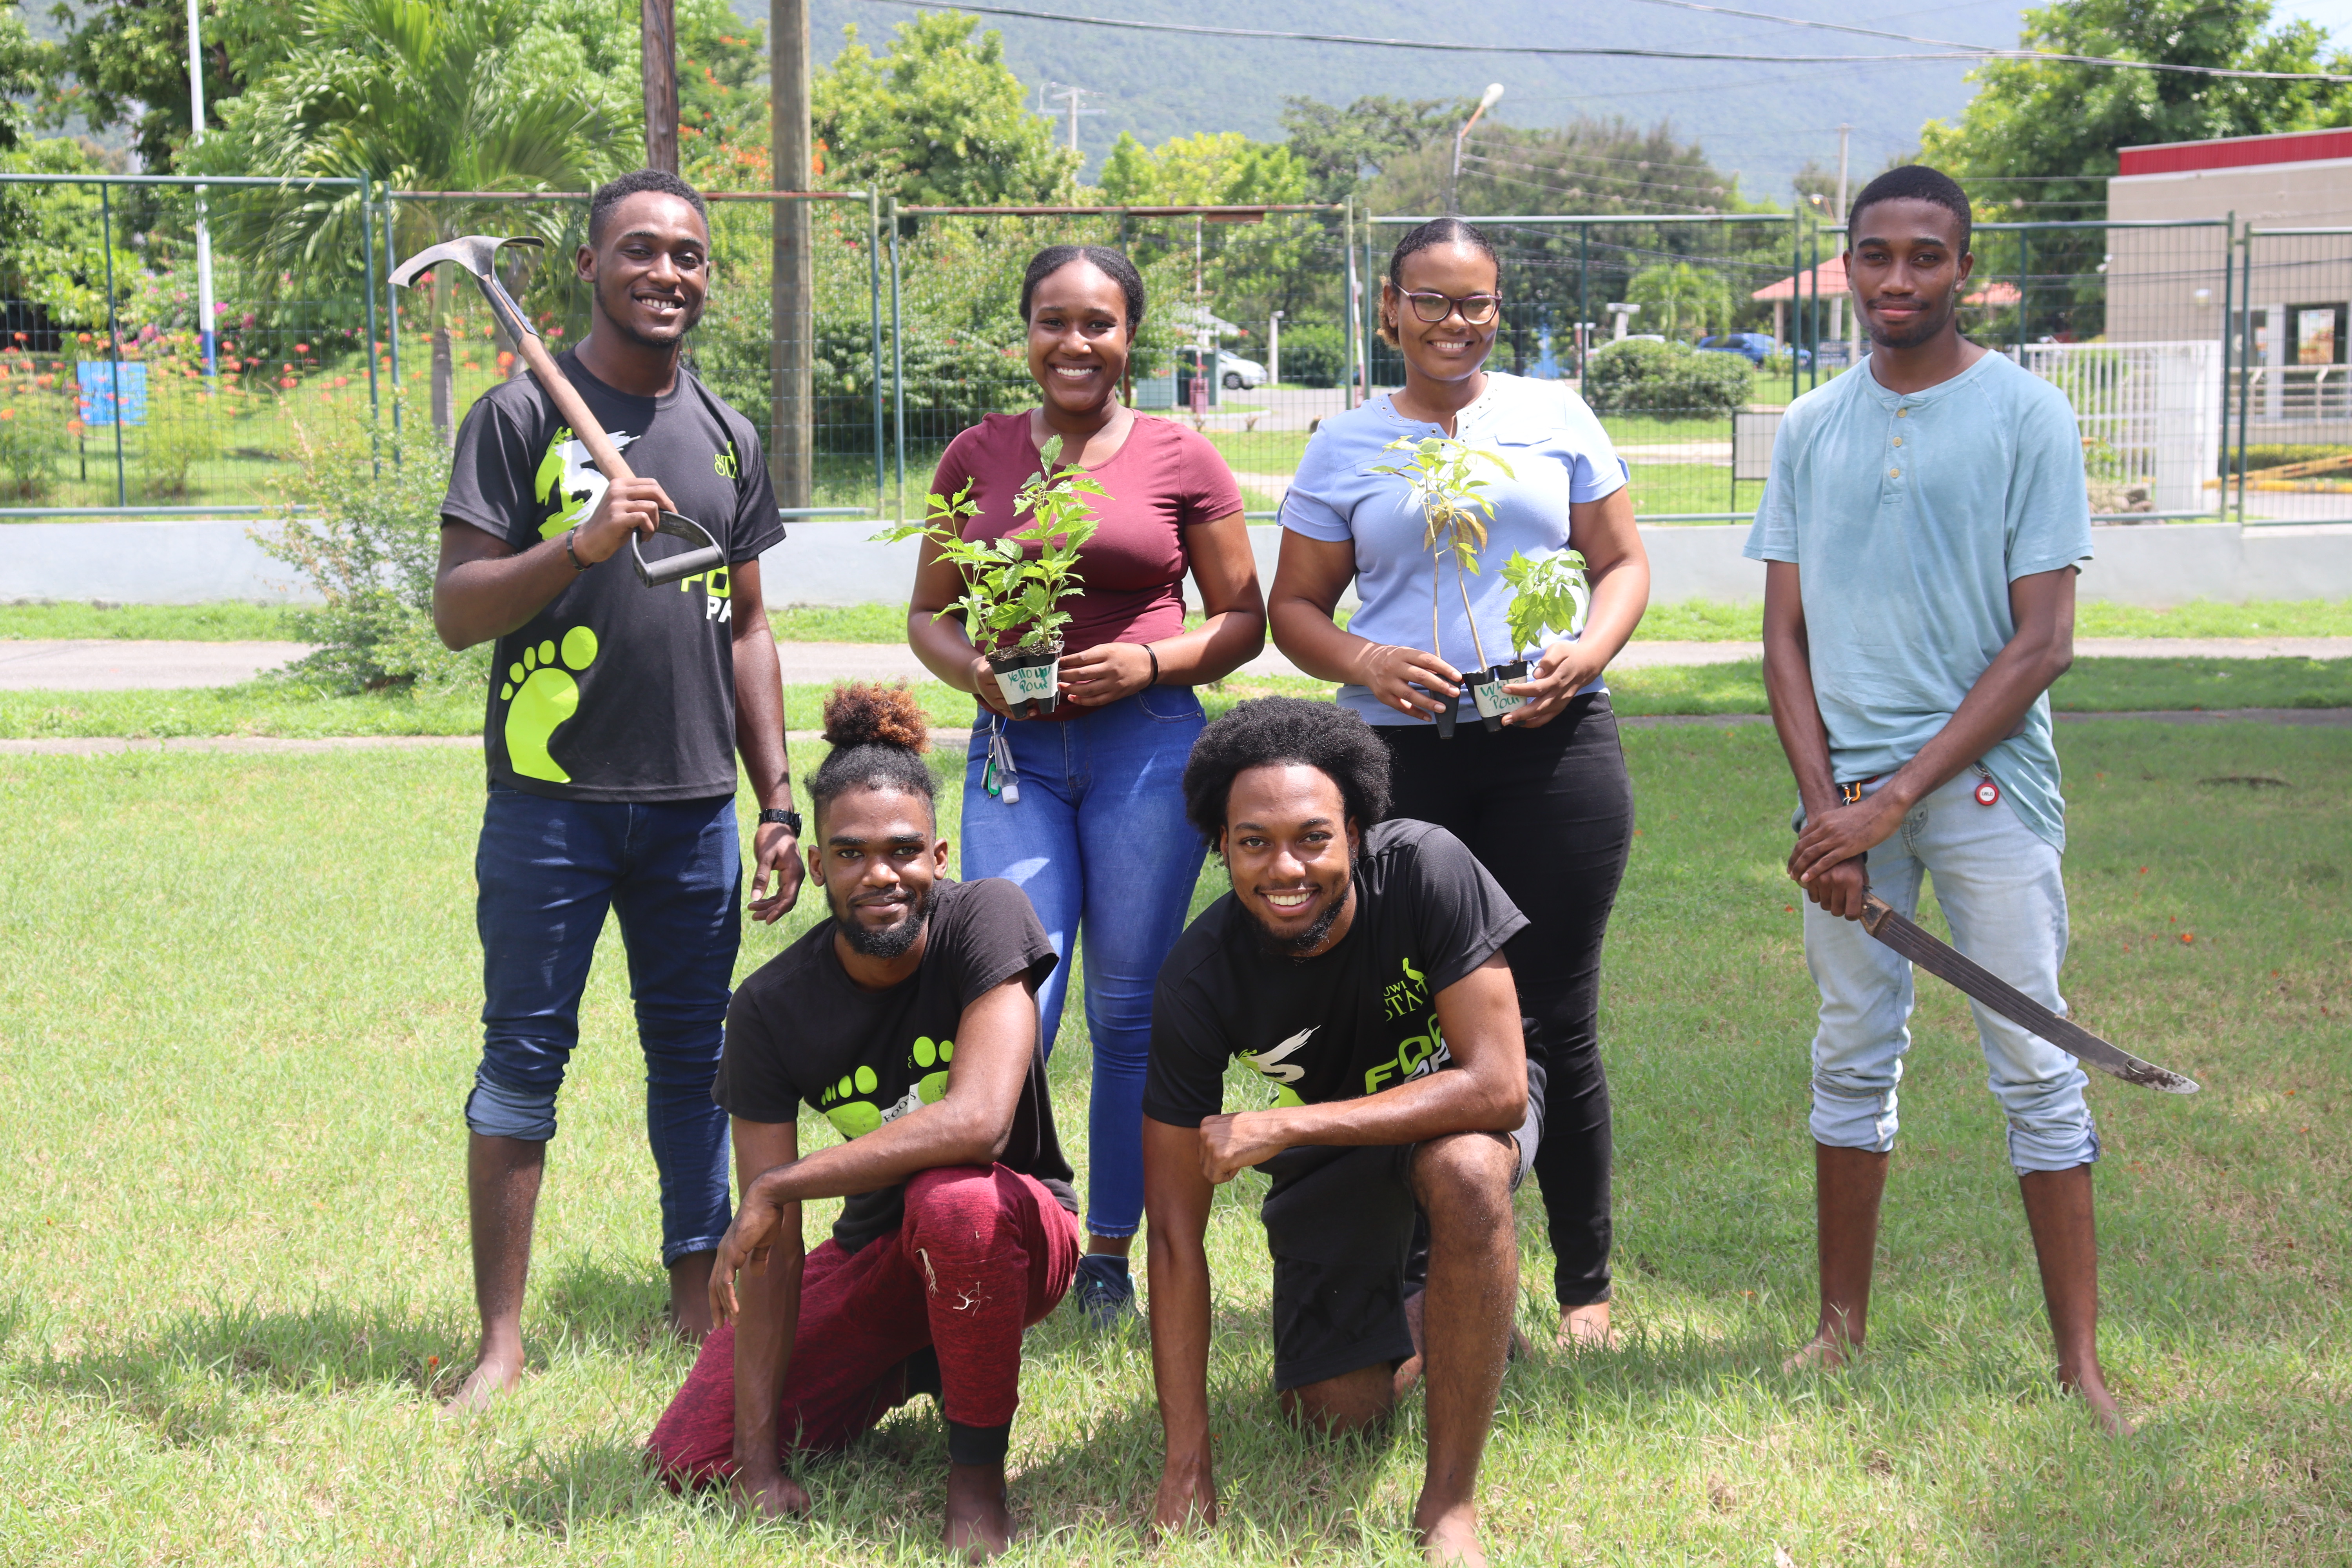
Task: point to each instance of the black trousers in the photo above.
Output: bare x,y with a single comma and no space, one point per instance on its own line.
1550,813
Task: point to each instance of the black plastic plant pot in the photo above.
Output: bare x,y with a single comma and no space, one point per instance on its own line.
1493,701
1446,718
1031,679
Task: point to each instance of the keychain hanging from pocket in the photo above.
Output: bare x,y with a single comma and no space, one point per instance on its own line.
999,777
1988,791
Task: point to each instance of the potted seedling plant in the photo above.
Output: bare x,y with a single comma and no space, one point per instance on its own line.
1443,479
1011,600
1548,592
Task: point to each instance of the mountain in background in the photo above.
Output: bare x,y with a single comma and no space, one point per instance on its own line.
1762,119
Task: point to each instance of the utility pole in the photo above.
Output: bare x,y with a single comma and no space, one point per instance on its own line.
658,29
207,329
791,437
1453,182
1840,327
1073,99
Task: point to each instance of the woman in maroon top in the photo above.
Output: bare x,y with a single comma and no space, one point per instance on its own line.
1093,825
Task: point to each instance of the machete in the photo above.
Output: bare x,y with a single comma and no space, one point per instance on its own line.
1879,918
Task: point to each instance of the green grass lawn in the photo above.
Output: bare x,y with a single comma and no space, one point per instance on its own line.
1693,620
235,1271
270,707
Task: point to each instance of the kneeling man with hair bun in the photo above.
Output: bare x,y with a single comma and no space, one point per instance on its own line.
908,1019
1358,964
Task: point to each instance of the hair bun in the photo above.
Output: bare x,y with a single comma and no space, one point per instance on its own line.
866,713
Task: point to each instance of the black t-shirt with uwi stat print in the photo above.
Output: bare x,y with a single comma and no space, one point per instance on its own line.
1352,1021
614,691
800,1031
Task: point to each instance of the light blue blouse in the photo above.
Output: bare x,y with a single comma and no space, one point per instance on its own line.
1558,454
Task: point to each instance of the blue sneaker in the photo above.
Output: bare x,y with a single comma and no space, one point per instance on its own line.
1103,1291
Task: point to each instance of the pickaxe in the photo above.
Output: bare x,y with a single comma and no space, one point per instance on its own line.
477,254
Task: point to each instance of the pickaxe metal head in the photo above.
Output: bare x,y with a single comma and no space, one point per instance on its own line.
477,253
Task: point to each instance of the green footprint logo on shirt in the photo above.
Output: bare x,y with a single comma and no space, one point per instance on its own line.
856,1118
539,697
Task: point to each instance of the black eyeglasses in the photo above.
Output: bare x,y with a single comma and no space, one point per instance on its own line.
1477,310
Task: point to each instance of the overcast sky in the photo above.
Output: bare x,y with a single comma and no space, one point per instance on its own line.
2335,15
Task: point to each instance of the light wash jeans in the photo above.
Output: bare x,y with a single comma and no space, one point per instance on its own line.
1100,844
1999,884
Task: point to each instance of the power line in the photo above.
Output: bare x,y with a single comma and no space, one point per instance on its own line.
1447,45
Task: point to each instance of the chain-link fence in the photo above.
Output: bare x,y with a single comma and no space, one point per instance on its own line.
1244,332
2292,389
119,393
2206,362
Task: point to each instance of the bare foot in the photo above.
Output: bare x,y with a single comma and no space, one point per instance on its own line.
1451,1537
1820,1353
2093,1388
1586,1328
689,1297
979,1523
498,1371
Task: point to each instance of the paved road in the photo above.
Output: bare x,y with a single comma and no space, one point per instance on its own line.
122,666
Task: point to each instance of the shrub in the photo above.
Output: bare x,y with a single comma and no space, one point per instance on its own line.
1314,353
32,442
1640,375
364,529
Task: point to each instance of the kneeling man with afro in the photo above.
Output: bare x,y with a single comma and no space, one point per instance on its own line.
1358,965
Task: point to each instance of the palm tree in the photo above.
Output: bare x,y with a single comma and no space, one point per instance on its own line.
416,95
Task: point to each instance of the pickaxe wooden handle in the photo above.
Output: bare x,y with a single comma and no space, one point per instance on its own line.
477,254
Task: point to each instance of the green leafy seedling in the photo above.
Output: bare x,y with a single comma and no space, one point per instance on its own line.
1444,478
1548,594
1011,600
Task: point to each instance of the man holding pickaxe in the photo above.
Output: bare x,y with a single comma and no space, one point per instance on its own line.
1921,530
618,703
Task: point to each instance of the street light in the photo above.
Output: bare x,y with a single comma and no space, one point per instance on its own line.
1454,186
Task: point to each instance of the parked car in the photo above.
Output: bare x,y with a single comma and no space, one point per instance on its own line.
1754,347
1238,375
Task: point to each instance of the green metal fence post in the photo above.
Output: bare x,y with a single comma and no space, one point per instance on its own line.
2228,326
113,340
1813,314
2024,285
367,267
897,370
2246,390
1583,297
390,320
874,317
1796,270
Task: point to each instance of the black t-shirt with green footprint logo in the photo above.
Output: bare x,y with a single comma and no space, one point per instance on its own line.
614,691
800,1032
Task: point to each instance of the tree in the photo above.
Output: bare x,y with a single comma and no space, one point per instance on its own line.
1219,168
1343,149
490,95
1673,292
127,63
26,69
2054,127
722,97
940,121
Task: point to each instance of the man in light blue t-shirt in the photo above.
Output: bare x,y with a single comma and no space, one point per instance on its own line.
1921,530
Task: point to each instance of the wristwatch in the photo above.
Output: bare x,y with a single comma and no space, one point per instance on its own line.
790,819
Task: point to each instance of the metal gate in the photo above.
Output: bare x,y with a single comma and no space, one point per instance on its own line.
2293,387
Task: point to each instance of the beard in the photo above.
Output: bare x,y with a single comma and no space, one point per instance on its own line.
890,941
1925,328
1274,944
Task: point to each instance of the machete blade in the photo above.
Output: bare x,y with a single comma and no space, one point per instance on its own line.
1972,979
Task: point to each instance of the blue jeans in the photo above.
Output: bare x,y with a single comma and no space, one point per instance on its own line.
1100,844
1999,884
547,871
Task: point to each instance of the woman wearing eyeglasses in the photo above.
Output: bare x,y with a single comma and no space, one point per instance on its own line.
1544,803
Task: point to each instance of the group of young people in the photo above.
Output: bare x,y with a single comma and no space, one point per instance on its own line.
1408,954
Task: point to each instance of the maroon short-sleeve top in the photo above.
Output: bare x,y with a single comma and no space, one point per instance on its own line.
1162,480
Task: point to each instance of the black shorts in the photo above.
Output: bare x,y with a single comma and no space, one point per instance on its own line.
1340,1223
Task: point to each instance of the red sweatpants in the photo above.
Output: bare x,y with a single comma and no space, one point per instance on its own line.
984,1253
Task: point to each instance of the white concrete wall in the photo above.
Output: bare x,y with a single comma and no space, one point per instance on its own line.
171,562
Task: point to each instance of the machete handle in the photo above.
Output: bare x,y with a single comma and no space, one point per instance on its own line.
1875,911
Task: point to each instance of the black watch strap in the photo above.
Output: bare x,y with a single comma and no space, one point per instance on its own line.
790,819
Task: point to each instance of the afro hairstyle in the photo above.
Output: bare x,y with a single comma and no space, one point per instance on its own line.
1275,729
